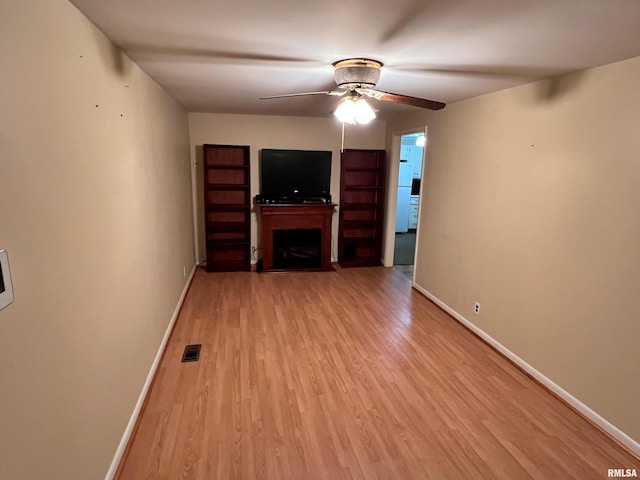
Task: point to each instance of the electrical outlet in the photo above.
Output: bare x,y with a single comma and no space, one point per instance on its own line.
476,308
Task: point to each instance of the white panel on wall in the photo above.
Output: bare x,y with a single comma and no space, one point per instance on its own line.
6,287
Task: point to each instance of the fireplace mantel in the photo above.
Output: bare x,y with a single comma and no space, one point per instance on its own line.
296,217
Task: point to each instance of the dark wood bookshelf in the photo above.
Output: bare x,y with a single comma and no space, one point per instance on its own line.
227,207
362,188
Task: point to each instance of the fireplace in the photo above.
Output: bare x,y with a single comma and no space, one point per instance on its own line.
296,237
297,248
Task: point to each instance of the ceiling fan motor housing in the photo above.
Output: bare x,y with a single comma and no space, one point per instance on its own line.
357,72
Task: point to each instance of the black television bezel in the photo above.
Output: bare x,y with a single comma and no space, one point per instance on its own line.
297,156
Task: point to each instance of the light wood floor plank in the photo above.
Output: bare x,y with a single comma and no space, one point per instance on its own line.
348,375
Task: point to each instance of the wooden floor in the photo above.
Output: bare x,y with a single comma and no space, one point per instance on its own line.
346,375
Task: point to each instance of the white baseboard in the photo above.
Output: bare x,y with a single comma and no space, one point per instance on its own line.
152,371
583,409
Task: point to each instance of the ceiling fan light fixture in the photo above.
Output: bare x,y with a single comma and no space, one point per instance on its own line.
354,110
361,72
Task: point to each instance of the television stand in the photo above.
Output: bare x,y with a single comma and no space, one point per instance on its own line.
296,237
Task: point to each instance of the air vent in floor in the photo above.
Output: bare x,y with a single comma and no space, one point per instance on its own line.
191,353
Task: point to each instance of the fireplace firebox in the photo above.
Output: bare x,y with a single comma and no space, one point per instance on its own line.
297,248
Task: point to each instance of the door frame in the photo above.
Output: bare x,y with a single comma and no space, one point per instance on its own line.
393,171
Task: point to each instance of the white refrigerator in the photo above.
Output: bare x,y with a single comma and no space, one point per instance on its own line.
405,178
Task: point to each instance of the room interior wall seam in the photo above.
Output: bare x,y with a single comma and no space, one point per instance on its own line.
126,436
590,415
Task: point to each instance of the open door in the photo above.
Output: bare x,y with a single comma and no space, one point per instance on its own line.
408,203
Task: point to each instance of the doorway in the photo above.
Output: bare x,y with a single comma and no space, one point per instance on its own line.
411,156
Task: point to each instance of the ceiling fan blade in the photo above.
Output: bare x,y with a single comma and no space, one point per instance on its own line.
150,52
304,94
481,71
403,99
406,18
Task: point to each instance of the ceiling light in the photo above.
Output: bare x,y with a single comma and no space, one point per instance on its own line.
421,141
354,109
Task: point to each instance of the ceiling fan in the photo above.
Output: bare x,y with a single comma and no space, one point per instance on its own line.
356,78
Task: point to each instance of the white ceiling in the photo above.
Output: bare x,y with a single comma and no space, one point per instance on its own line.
220,56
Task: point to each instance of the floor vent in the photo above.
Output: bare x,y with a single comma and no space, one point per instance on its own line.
191,353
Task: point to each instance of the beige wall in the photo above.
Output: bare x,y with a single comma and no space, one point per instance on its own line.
95,212
531,208
275,132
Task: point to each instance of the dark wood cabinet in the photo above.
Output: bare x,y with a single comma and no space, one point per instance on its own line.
227,207
362,182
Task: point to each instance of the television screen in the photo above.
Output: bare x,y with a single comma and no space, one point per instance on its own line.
295,173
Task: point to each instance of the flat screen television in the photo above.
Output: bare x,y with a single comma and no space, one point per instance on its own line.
295,174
